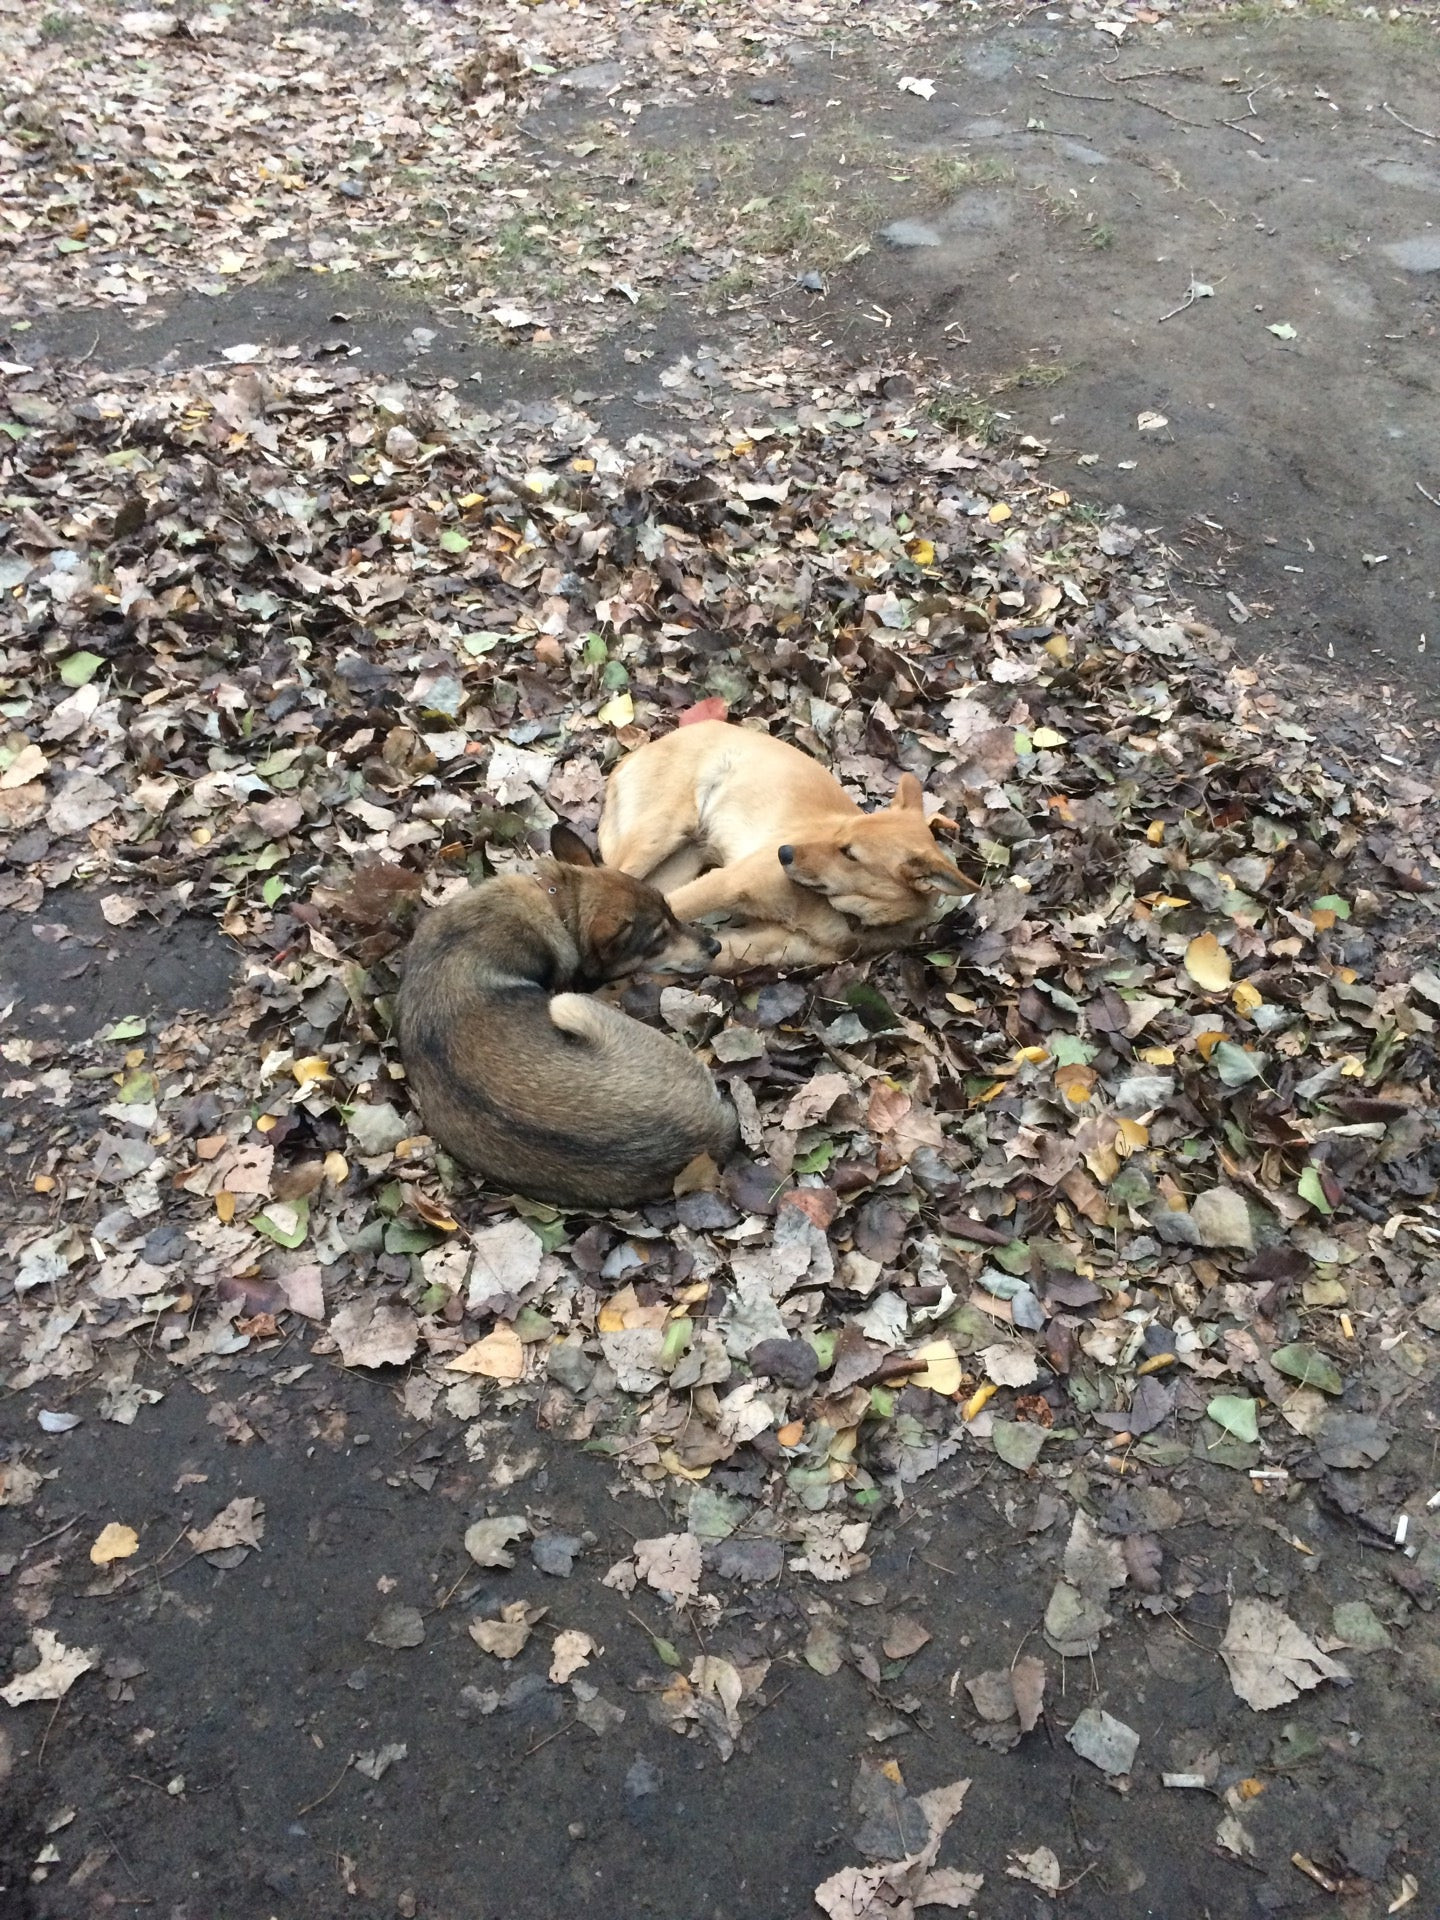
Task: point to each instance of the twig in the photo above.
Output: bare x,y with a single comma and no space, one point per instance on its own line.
94,344
1155,107
1409,125
548,1738
1161,73
46,1735
56,1532
311,1805
1103,99
1428,495
1190,298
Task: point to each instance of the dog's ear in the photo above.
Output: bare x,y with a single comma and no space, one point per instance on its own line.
567,847
909,795
942,823
936,874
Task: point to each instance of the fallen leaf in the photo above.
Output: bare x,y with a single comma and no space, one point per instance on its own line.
1270,1661
114,1542
487,1542
240,1524
55,1672
1208,964
571,1651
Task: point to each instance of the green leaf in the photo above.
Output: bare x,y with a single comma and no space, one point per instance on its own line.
1310,1187
1018,1442
1308,1367
402,1238
71,246
596,652
882,1403
273,888
676,1344
1235,1066
1239,1416
1014,1256
1069,1050
873,1008
129,1029
453,541
817,1159
1340,908
79,669
531,1325
615,676
287,1225
665,1650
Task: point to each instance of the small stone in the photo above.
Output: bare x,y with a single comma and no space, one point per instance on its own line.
792,1362
909,233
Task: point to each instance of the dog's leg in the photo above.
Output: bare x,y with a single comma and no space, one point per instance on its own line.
638,839
746,887
746,947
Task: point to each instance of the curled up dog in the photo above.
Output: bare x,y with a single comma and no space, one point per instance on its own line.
527,1081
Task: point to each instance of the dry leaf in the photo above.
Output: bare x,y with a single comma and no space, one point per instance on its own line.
499,1356
571,1651
1208,964
57,1670
1270,1661
114,1542
241,1524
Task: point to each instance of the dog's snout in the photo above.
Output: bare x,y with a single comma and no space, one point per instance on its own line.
710,945
787,856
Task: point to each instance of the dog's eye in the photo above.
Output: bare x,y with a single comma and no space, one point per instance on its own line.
850,853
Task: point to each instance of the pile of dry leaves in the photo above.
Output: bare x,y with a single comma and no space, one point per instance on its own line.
1136,1161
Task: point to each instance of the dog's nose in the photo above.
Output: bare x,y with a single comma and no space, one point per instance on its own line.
711,946
787,856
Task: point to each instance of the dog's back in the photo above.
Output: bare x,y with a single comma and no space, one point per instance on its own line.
541,1090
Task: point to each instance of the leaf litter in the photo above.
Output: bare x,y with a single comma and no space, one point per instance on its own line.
1130,1165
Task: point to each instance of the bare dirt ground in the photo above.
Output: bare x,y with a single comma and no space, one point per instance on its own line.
300,1716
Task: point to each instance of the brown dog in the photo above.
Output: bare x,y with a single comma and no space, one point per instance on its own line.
538,1088
735,826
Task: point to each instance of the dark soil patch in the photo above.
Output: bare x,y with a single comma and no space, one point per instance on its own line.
71,974
208,1758
361,320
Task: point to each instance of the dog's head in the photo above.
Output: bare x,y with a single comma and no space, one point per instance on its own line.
883,868
619,925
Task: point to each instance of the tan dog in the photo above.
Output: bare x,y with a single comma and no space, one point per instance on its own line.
736,827
541,1090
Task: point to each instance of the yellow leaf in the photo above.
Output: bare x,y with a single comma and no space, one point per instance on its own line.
1075,1083
1155,832
618,711
43,1183
991,1092
998,513
337,1169
267,1123
225,1206
311,1068
1207,1042
1351,1068
941,1373
1033,1054
672,1463
1324,918
1130,1137
114,1542
922,552
1245,999
1156,1056
1058,648
1047,737
980,1399
499,1356
1207,963
1157,1363
792,1434
1059,498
